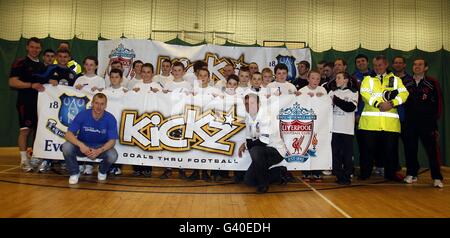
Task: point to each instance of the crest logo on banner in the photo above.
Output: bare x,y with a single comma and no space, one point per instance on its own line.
123,55
298,132
70,107
289,61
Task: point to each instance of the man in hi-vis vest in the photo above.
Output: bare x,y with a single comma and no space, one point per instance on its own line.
379,123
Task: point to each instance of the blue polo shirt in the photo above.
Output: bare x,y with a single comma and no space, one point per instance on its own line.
94,133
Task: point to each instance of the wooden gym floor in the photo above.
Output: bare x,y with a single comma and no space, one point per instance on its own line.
49,195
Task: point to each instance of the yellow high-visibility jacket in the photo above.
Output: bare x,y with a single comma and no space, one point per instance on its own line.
372,89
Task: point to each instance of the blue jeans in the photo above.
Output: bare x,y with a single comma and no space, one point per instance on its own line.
71,151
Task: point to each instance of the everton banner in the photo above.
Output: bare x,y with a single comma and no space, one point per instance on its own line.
186,131
127,51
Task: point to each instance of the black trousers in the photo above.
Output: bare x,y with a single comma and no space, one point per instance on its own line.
263,157
381,145
342,147
361,147
429,137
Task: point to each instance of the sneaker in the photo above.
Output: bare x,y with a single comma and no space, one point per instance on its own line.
262,189
317,178
379,171
182,174
26,166
136,173
81,168
194,176
306,177
117,171
101,177
147,173
327,172
167,173
45,166
35,162
410,179
73,179
437,183
205,176
88,169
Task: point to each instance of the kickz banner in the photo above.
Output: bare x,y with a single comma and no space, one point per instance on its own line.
127,51
198,132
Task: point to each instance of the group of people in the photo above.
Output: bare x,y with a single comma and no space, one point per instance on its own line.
389,105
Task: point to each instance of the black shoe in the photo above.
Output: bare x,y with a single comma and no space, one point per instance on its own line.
262,189
136,173
147,173
343,182
167,173
182,174
205,176
194,176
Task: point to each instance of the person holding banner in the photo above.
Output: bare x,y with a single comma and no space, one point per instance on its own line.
93,133
281,86
265,148
27,85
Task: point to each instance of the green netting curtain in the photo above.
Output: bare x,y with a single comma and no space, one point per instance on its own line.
439,67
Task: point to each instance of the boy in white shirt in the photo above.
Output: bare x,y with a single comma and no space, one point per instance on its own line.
244,80
203,86
178,84
281,86
256,86
345,100
90,81
313,90
165,75
267,76
135,75
115,65
147,84
227,71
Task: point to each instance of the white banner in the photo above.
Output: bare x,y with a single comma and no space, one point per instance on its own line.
200,132
180,131
127,51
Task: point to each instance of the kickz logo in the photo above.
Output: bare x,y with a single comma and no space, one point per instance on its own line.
297,132
215,64
208,131
70,107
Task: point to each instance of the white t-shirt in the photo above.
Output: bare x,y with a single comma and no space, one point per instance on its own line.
319,89
124,81
147,87
115,91
262,93
190,78
283,88
221,84
163,79
344,122
133,82
90,82
181,86
207,91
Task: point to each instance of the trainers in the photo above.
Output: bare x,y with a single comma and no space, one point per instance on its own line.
205,176
81,168
101,177
306,177
317,177
410,179
35,162
136,173
182,174
117,171
26,166
45,166
437,183
327,172
147,173
379,171
73,179
88,169
167,173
